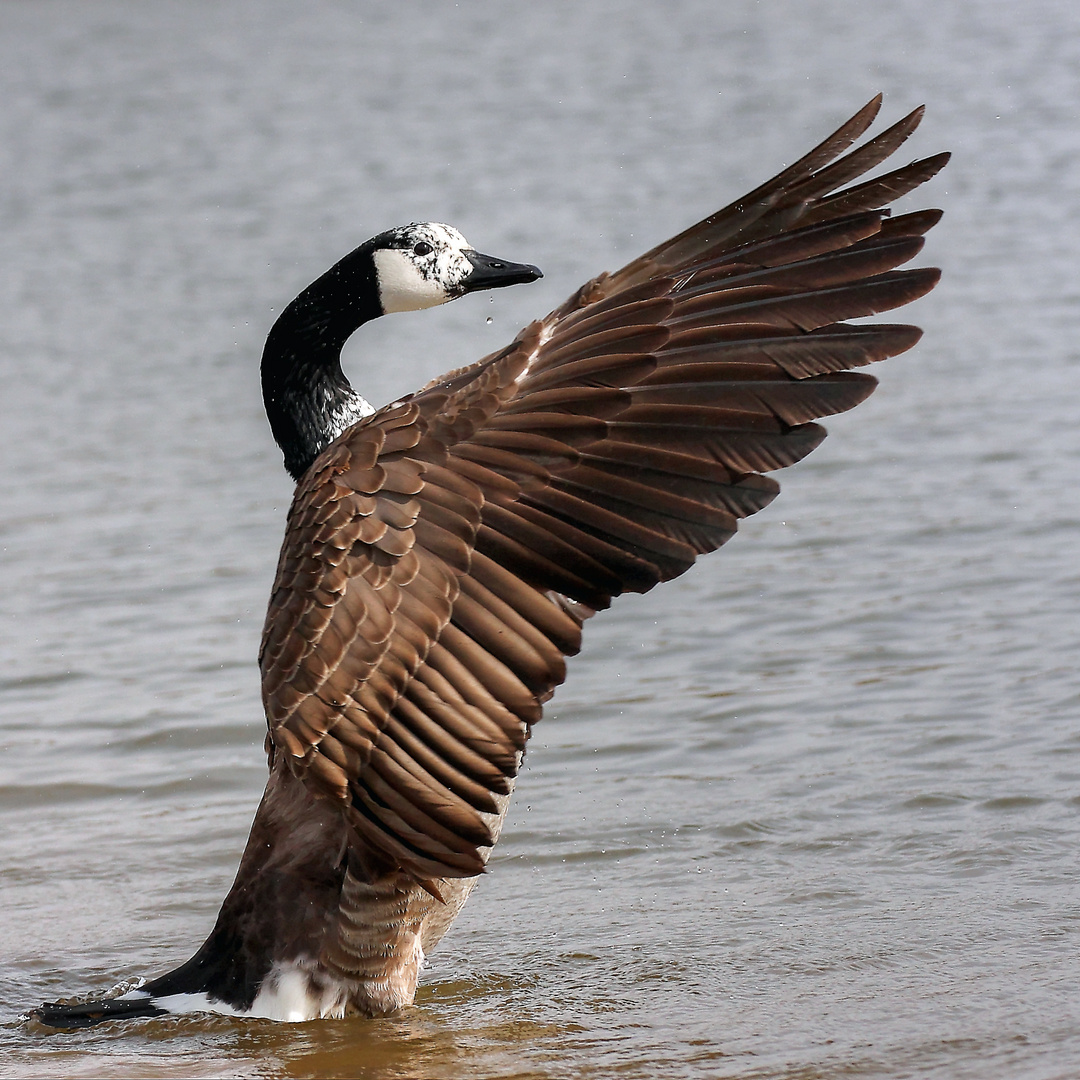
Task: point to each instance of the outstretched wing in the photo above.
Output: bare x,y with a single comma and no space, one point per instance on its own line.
441,557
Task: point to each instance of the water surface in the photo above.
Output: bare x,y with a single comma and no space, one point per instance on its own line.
811,810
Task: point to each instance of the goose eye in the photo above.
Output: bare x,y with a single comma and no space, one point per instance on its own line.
423,248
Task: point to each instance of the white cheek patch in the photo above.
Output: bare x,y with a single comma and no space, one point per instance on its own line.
402,287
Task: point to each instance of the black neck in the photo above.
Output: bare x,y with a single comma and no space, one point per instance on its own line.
308,400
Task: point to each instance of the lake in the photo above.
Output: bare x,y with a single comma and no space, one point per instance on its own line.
812,810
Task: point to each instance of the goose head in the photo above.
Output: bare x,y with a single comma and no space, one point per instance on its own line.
309,401
427,263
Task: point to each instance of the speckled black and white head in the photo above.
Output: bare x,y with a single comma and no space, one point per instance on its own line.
309,402
426,263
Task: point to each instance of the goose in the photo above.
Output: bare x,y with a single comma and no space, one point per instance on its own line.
442,553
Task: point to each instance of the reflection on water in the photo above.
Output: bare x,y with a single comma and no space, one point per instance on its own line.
810,810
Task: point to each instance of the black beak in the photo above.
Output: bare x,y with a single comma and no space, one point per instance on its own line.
492,273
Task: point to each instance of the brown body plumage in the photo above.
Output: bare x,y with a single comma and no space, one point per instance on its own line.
441,556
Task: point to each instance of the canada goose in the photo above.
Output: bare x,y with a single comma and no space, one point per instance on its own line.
442,553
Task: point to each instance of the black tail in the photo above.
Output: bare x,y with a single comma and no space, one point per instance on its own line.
220,970
68,1017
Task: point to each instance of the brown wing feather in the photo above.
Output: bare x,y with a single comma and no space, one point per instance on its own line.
440,557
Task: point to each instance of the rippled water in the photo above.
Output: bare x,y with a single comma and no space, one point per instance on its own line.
812,810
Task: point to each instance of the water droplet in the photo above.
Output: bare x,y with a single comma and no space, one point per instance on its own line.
489,320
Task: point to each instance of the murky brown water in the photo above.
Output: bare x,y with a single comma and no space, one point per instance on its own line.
811,811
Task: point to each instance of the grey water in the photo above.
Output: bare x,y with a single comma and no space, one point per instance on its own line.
812,810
